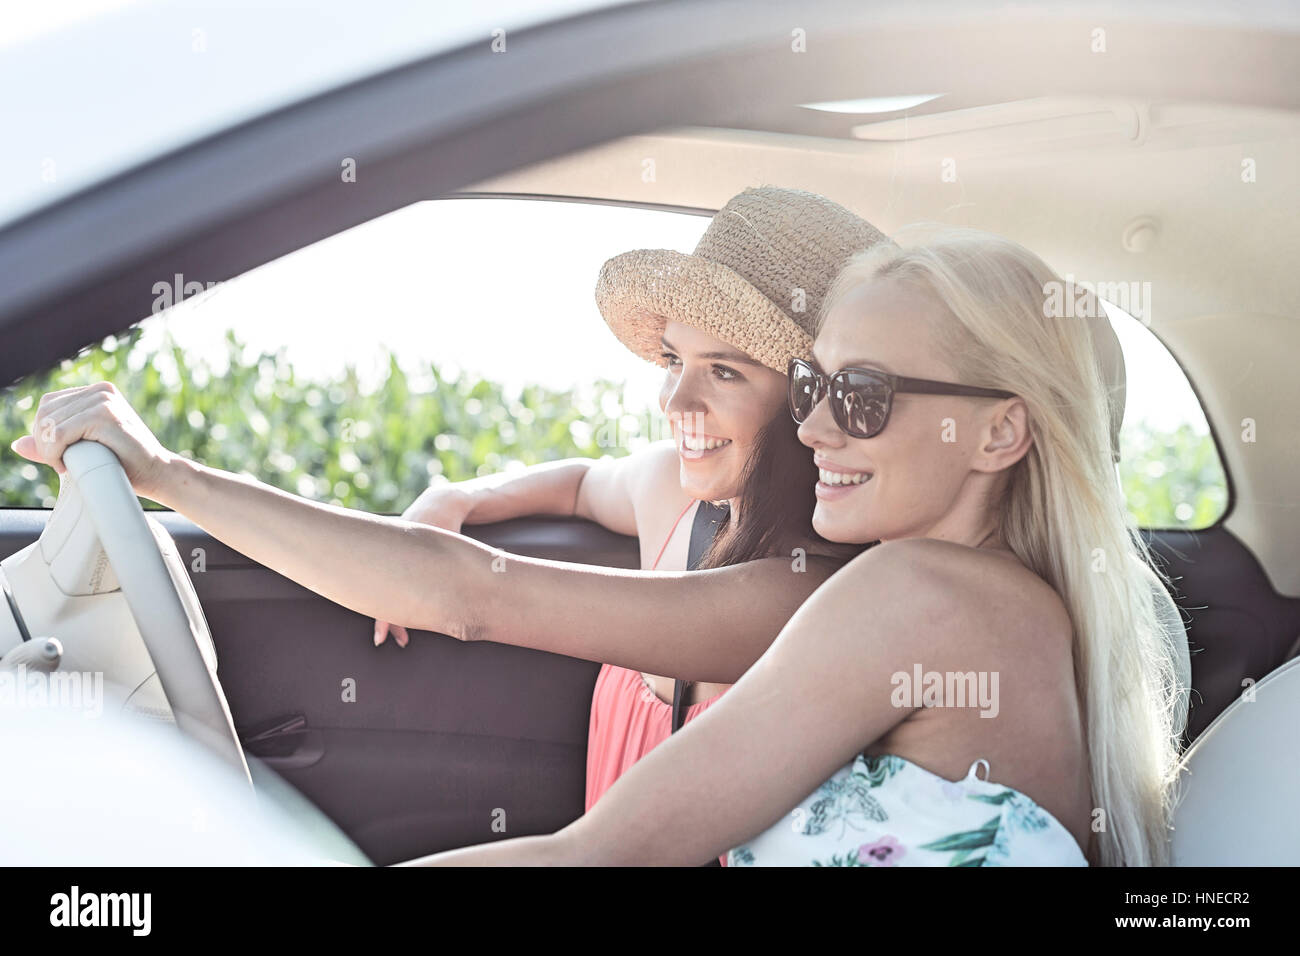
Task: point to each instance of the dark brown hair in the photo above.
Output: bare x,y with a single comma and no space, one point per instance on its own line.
776,502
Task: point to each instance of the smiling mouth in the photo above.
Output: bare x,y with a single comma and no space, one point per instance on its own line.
699,445
837,478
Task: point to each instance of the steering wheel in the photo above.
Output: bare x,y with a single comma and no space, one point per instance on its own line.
157,590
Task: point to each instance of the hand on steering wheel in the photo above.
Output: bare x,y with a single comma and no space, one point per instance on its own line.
101,414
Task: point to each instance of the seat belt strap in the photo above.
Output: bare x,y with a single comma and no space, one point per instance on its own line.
707,519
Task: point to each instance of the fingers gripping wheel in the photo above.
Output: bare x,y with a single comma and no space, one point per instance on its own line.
174,634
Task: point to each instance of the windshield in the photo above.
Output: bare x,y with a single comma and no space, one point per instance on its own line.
109,84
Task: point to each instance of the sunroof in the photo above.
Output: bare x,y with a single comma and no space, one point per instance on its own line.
877,104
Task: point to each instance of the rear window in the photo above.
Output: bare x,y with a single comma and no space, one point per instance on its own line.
1169,464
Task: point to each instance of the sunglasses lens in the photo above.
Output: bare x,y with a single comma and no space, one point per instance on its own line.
860,402
803,391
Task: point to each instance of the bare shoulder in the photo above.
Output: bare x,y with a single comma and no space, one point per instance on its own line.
655,486
951,592
658,468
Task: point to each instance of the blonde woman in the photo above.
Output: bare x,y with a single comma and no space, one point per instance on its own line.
953,422
949,420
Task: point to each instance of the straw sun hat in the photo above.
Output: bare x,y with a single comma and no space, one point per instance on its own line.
756,280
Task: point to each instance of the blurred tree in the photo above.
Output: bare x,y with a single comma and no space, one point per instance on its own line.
326,440
1172,479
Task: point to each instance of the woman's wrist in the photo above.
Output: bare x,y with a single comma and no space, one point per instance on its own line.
462,501
167,479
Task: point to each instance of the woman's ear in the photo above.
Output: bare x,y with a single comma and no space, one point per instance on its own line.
1006,437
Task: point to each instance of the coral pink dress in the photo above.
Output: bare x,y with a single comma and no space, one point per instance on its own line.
628,719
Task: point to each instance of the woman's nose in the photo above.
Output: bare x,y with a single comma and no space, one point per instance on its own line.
819,430
683,399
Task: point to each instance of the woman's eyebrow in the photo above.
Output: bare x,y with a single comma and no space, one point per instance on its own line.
738,357
859,363
871,364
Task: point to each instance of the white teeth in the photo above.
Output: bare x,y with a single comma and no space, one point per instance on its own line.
842,478
703,444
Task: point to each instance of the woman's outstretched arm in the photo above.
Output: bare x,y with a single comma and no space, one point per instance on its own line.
604,491
703,625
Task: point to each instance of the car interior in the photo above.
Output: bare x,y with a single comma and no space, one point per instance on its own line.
1128,165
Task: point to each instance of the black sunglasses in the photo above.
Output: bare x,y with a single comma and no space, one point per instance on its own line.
862,397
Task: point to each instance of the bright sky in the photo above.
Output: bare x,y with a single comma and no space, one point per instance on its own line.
503,289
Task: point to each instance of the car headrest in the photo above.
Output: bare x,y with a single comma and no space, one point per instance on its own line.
1236,796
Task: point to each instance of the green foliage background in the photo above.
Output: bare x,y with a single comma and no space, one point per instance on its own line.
377,450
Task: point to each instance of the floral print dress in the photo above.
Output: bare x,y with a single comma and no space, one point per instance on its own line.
887,811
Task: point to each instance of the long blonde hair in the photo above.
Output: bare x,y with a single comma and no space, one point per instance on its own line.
1063,513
